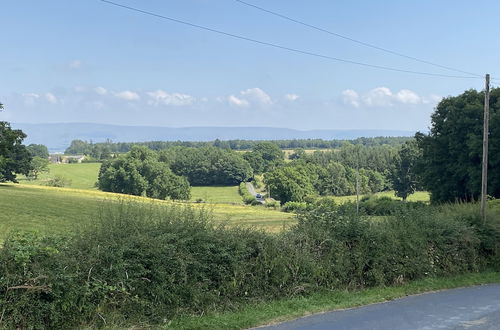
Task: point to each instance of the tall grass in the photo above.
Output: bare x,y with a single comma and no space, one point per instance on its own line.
144,264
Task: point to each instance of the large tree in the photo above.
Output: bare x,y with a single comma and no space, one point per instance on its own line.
14,157
452,151
141,173
404,177
264,157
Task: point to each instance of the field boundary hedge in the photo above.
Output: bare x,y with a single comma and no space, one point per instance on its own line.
148,264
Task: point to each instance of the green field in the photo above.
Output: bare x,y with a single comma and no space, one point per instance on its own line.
49,209
82,176
226,194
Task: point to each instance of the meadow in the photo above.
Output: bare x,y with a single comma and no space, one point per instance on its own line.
56,210
81,176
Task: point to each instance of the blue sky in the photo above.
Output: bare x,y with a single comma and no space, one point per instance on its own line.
87,61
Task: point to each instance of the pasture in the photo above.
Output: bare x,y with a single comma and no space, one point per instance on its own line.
82,176
56,210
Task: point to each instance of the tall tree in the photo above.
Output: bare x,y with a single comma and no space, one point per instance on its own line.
14,157
404,176
451,152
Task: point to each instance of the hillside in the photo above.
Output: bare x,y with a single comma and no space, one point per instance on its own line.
48,209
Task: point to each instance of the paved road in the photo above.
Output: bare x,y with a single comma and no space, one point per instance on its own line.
468,308
251,190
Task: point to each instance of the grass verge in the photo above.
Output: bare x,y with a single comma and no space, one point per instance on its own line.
286,309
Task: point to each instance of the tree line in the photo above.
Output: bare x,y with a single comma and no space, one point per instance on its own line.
103,150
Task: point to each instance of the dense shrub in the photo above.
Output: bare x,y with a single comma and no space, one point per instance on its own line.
295,207
145,263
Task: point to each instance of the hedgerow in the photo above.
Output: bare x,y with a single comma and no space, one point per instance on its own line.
147,264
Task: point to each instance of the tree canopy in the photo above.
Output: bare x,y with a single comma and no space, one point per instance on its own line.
14,157
452,151
141,173
404,176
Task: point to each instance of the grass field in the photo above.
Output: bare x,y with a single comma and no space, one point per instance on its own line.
224,194
82,176
48,209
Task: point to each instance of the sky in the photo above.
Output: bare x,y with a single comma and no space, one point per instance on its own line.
88,61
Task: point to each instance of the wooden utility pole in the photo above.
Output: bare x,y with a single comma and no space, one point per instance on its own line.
484,177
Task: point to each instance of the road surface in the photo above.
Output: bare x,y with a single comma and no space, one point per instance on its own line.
252,191
466,308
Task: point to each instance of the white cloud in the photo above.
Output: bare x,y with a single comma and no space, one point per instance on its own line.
128,96
408,96
291,97
239,102
350,97
378,97
101,90
384,97
257,95
161,97
75,64
51,98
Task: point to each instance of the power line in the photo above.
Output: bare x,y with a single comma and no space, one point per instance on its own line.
295,50
354,40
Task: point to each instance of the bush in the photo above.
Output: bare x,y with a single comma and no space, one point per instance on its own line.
272,203
248,198
58,181
145,264
295,207
382,206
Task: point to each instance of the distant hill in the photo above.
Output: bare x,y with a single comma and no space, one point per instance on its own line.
57,137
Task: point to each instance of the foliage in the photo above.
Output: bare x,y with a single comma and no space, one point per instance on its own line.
297,154
14,157
295,207
140,173
452,151
264,157
38,165
207,166
404,176
58,181
248,198
39,150
79,147
290,183
146,264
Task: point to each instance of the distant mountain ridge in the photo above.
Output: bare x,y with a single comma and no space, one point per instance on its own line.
58,136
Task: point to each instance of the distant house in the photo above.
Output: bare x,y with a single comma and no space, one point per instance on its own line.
64,159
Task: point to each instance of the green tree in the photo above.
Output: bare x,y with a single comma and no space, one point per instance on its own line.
141,173
38,165
404,176
14,157
264,157
38,150
452,151
333,180
208,166
290,183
